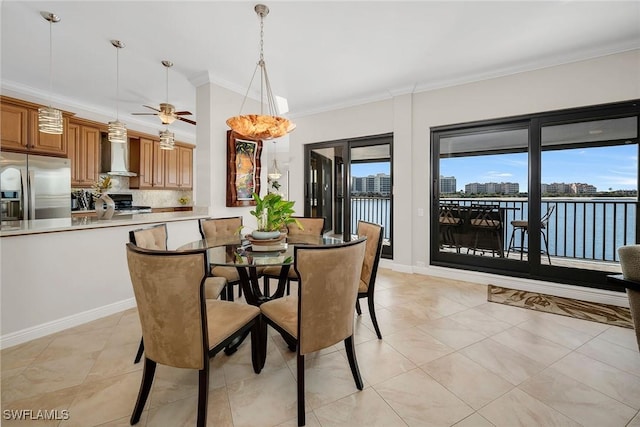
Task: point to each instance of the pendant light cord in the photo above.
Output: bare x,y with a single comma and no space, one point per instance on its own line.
50,61
117,83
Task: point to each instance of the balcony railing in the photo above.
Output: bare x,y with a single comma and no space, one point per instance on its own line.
578,228
375,209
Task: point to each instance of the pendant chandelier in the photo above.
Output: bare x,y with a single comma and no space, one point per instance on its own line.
274,174
49,118
261,126
167,139
117,129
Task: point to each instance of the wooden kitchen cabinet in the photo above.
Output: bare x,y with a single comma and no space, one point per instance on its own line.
146,159
14,121
83,142
179,168
20,129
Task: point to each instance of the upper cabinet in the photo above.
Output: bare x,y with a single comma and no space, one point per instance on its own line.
20,129
160,169
83,140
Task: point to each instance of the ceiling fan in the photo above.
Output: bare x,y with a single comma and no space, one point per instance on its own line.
167,112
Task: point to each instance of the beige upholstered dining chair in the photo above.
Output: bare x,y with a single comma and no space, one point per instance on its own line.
221,231
181,327
321,315
312,227
155,237
374,234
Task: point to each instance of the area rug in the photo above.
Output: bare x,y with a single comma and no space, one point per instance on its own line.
602,313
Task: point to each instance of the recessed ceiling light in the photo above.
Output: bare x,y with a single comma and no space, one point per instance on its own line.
595,132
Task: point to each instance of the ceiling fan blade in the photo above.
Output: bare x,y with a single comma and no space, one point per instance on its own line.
186,120
153,108
144,114
183,113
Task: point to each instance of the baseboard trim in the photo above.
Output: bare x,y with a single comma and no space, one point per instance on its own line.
28,334
549,288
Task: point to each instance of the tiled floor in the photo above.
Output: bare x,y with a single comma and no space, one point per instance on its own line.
447,357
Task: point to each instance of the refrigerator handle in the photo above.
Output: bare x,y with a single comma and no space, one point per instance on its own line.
32,195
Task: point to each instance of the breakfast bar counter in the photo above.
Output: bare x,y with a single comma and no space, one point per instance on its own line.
38,226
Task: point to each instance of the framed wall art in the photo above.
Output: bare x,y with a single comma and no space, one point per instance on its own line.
243,169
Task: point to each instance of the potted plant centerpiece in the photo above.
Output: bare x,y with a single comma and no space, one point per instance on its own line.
272,213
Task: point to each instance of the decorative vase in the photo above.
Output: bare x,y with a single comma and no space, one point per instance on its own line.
265,235
105,207
630,262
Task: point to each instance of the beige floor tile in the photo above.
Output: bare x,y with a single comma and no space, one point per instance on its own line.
506,313
422,401
107,322
124,421
417,346
476,320
501,360
126,332
612,354
22,355
184,413
101,401
531,345
239,366
171,384
378,361
55,403
584,326
438,305
364,331
327,378
576,400
265,400
517,408
471,382
605,378
114,361
310,421
624,337
414,308
474,420
86,341
552,330
362,409
394,321
48,376
450,332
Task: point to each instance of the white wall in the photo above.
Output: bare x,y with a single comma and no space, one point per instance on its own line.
601,80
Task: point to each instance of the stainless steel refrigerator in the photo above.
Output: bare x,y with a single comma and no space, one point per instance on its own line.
34,187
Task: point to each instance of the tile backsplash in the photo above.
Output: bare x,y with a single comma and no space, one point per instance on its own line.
153,198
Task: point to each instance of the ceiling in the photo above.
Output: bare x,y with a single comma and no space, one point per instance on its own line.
319,55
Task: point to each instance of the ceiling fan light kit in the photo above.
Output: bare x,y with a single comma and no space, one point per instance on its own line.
261,126
49,118
117,129
167,112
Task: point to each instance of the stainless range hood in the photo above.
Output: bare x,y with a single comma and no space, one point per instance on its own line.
115,158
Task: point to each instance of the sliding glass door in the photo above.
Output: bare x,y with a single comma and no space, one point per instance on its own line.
549,196
348,181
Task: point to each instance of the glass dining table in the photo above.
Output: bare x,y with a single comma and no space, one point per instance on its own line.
250,258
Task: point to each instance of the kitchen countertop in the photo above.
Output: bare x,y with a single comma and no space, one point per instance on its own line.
38,226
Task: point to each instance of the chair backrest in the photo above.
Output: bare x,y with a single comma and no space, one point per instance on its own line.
374,234
489,216
311,227
168,288
154,237
327,293
545,218
221,230
449,214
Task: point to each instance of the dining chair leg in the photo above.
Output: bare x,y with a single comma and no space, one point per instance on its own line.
358,309
258,349
372,312
301,414
203,394
353,363
145,386
140,351
546,245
